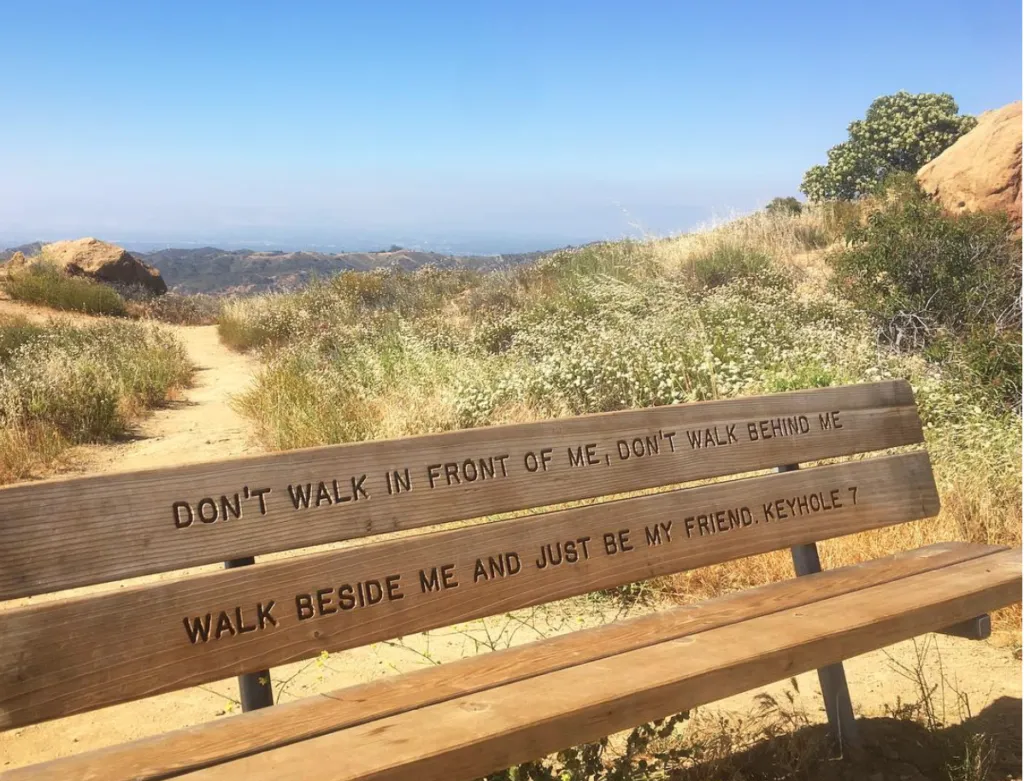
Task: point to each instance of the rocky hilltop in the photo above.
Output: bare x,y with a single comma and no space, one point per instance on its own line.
982,170
91,258
212,270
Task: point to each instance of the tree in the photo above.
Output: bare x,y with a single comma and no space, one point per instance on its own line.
900,132
786,206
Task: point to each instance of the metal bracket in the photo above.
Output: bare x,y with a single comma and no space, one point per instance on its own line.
977,628
254,689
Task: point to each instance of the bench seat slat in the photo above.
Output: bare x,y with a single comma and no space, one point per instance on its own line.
58,535
168,755
150,639
470,736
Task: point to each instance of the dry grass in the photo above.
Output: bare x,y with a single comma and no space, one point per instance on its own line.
778,236
62,385
196,309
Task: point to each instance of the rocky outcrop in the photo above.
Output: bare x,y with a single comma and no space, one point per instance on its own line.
982,170
98,260
16,261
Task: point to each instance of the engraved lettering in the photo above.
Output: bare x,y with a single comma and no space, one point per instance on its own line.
227,508
224,625
242,628
393,583
357,488
198,629
263,614
655,534
304,606
207,510
829,420
182,522
324,606
323,495
300,497
259,494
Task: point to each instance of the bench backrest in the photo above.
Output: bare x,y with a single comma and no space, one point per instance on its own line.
80,650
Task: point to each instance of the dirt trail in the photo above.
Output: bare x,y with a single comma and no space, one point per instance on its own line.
202,426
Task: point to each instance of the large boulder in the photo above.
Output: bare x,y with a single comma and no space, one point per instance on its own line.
103,262
982,170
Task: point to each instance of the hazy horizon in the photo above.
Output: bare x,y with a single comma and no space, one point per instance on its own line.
456,241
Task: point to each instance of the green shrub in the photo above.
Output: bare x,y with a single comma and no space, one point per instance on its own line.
722,264
43,284
949,285
788,205
986,358
918,270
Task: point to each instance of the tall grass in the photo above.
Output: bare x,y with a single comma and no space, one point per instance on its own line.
45,285
62,385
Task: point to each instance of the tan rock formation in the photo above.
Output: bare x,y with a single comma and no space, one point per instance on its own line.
982,170
101,261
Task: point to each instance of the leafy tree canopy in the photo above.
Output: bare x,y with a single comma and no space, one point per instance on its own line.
900,132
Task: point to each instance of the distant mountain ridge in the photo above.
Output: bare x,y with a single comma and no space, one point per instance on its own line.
214,270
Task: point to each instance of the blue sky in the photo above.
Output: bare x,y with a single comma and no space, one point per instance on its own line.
484,123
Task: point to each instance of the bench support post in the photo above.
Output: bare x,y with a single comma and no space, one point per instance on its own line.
838,706
254,689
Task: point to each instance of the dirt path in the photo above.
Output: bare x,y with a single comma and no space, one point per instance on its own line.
202,426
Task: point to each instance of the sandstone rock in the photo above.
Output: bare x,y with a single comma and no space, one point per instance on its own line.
982,170
16,261
103,262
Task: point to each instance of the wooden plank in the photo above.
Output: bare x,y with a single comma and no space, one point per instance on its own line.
168,635
166,755
58,535
471,736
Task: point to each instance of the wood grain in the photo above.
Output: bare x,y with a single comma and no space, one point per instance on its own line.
143,640
468,737
61,534
166,755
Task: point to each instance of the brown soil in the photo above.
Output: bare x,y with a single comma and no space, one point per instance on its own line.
971,678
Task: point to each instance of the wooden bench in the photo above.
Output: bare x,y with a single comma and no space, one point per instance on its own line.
90,648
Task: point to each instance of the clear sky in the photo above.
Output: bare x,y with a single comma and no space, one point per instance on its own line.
523,123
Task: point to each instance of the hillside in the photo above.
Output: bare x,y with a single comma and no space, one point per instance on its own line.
27,250
213,270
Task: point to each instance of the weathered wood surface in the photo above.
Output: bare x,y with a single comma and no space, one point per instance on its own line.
172,634
467,737
168,755
68,533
